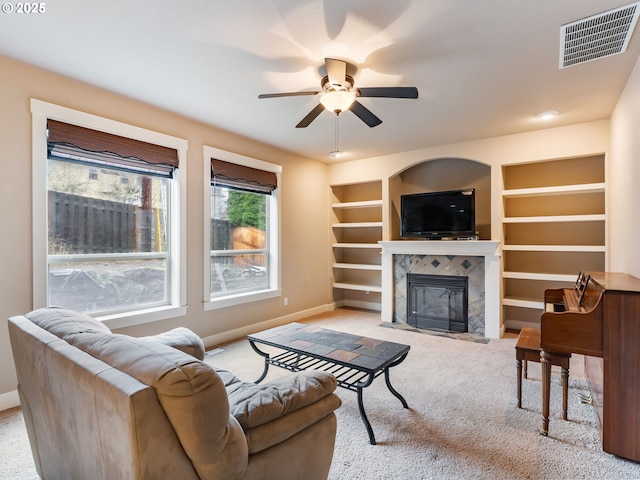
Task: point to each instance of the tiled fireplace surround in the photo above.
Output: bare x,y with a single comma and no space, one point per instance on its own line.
478,260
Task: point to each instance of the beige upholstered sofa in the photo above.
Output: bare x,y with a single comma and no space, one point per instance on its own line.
99,405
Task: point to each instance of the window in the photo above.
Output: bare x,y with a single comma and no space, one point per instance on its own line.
113,222
242,213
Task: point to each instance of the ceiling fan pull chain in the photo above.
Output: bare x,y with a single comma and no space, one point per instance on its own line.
337,149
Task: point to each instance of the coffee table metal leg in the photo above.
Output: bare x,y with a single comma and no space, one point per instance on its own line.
388,382
366,383
363,415
393,390
266,361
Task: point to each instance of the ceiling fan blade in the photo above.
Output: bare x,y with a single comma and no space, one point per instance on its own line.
289,94
336,71
388,92
364,114
311,116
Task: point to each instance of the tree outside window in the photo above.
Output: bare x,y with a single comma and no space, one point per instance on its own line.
239,261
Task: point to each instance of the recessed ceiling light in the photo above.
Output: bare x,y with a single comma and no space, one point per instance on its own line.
548,115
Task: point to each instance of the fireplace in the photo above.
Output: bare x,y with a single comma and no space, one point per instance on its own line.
479,260
438,302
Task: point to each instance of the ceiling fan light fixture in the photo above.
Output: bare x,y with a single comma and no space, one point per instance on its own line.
338,101
339,94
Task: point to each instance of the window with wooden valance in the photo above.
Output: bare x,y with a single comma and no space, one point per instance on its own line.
73,142
242,177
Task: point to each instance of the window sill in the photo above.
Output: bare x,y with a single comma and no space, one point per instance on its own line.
240,298
129,319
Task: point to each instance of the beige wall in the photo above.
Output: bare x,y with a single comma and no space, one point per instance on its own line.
624,179
553,143
305,216
446,174
304,207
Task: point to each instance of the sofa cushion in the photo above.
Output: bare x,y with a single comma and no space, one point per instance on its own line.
229,380
256,404
281,429
273,412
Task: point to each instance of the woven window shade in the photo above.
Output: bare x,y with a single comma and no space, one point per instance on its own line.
89,140
244,178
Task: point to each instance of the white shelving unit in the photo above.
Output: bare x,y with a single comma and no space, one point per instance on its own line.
357,224
556,219
554,225
554,190
357,266
357,229
556,248
373,246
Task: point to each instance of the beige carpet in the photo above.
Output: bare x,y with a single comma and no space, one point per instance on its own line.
462,422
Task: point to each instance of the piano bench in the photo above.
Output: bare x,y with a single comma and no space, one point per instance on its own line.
528,349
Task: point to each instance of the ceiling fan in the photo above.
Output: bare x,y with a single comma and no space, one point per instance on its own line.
339,94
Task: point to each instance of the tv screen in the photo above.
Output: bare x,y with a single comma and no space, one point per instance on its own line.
436,215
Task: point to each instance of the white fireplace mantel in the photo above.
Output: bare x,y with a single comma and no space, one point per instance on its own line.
474,248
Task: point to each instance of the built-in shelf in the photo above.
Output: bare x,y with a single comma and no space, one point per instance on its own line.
551,277
558,228
555,190
555,218
555,248
356,245
353,286
363,204
357,225
357,266
516,302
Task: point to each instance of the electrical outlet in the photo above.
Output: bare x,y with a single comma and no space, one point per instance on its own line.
286,301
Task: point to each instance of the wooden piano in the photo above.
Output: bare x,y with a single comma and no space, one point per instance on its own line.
599,318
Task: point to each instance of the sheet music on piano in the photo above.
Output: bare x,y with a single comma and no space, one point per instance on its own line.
572,299
582,289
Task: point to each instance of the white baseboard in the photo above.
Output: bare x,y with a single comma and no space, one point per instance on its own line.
9,400
242,332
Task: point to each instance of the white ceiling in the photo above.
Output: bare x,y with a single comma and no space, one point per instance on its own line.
483,68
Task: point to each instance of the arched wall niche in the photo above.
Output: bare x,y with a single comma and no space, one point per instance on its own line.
447,173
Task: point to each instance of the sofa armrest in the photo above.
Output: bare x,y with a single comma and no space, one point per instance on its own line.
257,404
182,339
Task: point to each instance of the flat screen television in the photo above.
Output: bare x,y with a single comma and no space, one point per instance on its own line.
437,215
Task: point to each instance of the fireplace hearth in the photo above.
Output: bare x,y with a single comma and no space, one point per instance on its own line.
438,302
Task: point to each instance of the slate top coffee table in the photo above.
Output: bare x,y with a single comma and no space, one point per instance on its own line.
354,360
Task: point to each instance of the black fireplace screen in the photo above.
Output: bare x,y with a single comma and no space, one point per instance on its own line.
438,302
